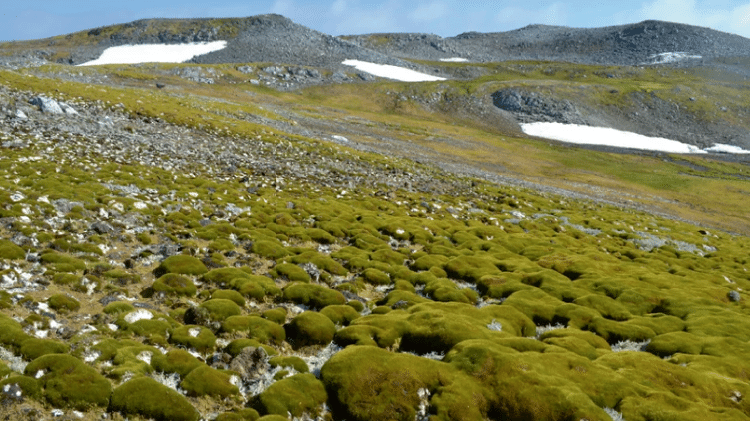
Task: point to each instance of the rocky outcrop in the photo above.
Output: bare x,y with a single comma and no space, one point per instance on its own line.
530,107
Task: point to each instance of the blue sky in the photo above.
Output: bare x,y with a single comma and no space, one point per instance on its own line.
30,19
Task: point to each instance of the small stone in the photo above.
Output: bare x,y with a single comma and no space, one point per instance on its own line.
734,296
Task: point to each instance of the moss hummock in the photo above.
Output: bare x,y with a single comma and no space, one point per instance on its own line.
310,328
295,395
148,398
181,264
69,383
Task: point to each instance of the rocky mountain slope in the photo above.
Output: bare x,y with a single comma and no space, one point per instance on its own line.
244,241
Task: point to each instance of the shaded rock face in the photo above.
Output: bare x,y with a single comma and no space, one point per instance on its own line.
530,107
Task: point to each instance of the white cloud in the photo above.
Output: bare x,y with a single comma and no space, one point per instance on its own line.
427,12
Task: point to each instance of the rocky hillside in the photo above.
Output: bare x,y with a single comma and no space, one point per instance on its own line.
276,241
633,44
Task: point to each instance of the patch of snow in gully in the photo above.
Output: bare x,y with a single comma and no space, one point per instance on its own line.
587,135
155,53
454,60
391,72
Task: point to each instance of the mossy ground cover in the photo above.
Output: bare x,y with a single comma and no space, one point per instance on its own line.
489,302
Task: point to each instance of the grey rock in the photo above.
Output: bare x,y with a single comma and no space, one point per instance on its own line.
250,363
11,393
102,227
734,296
47,105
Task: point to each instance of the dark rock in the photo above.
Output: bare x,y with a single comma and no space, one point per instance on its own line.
734,296
250,363
102,227
11,393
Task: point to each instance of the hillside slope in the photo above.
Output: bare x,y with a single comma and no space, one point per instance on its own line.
234,241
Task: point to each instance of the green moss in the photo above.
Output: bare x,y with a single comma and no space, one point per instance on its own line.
63,303
245,414
181,264
175,361
297,363
316,296
276,315
220,308
356,305
669,344
236,346
192,336
35,348
269,249
291,272
255,327
295,395
69,383
118,307
310,328
175,284
229,294
62,263
341,314
206,381
10,251
155,330
375,277
221,244
29,386
66,279
147,398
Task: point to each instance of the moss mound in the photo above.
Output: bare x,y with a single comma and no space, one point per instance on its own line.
206,381
69,383
315,296
295,395
175,284
221,308
148,398
63,303
10,251
181,264
310,328
256,327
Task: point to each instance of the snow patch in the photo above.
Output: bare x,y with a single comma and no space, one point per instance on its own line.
722,148
391,72
672,57
140,314
155,53
454,60
587,135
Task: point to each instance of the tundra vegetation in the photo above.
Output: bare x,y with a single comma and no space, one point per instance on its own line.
230,294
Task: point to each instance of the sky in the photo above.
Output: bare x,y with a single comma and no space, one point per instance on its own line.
32,19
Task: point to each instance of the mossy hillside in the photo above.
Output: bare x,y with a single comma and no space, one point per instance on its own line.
592,283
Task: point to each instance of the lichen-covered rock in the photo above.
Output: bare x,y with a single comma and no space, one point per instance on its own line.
69,383
310,328
250,363
145,397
